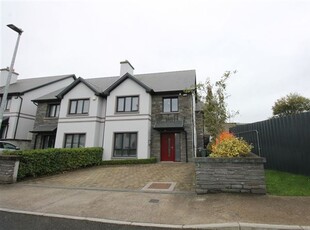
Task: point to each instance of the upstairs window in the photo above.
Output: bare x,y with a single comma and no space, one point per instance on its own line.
127,104
170,104
53,110
79,106
8,103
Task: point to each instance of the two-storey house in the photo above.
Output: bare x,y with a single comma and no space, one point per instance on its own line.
130,116
20,111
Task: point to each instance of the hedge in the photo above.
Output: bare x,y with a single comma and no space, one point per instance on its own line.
129,161
41,162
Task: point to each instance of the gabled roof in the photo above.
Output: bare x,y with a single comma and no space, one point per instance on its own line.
76,82
169,81
122,79
25,85
175,81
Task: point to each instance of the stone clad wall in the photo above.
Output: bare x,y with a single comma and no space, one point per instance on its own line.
240,175
41,119
8,169
185,113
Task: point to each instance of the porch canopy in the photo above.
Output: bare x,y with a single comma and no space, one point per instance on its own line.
44,128
178,124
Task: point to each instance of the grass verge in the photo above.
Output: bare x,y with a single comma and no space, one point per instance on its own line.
287,184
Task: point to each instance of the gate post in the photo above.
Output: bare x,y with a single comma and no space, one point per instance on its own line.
8,169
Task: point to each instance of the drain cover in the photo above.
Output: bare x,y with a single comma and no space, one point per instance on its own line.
154,201
159,186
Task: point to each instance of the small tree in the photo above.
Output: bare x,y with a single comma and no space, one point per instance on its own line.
290,104
215,107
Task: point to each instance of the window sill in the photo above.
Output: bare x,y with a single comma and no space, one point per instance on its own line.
123,158
126,113
170,112
51,118
77,115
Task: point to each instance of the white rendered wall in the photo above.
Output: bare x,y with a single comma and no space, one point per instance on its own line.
142,127
139,122
92,124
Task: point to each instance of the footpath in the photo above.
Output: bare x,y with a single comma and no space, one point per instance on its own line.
31,206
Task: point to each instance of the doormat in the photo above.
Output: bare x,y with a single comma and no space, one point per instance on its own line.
159,186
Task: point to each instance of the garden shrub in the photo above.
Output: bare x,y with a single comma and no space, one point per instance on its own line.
227,145
41,162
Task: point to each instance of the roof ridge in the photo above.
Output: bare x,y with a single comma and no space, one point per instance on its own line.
63,75
166,72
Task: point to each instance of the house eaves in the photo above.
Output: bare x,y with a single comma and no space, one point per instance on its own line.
121,80
75,83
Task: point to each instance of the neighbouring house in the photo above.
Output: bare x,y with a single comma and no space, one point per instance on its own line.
20,112
130,116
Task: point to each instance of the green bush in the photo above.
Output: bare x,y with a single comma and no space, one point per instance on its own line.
130,161
41,162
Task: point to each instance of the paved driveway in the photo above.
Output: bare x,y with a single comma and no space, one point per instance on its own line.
124,177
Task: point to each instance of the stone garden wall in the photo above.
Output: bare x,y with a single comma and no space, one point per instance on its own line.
239,175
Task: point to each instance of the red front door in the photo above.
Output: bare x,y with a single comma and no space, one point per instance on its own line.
167,147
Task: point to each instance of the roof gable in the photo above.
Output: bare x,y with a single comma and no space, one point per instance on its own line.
122,79
75,83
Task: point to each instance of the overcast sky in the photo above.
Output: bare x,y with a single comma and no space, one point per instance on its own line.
267,42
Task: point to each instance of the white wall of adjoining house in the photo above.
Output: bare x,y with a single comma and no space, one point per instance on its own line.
92,124
28,111
29,107
142,127
139,122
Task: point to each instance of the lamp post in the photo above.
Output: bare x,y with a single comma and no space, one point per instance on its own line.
8,80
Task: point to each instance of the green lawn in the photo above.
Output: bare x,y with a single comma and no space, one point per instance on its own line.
287,184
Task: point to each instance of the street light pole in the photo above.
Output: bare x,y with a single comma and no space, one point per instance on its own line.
8,80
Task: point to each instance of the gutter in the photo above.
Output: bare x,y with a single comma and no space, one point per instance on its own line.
18,116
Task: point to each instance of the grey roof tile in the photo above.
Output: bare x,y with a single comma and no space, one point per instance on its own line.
25,85
49,96
159,82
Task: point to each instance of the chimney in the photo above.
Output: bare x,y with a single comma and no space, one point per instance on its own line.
126,67
4,76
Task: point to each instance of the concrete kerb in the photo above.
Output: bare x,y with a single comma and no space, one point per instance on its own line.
220,226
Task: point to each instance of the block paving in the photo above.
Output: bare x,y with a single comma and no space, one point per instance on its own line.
124,177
